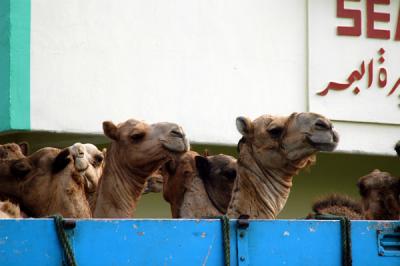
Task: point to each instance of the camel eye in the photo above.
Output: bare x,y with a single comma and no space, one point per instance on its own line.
230,174
137,136
98,159
275,132
320,124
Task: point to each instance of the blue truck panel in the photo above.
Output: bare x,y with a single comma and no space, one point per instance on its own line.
198,242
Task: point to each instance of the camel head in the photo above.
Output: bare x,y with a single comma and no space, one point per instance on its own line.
278,141
380,194
143,148
45,183
397,148
15,172
178,174
154,183
11,151
12,172
218,173
89,162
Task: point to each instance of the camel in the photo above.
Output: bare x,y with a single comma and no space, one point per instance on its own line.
380,200
9,210
218,173
137,150
199,186
154,183
397,148
89,162
380,194
45,183
13,151
337,205
272,150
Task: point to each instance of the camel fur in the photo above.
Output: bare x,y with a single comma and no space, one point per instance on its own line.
272,150
137,150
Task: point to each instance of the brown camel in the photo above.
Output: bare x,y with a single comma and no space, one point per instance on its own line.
9,210
154,183
89,162
218,173
11,151
271,151
337,205
380,194
198,186
380,200
136,151
45,183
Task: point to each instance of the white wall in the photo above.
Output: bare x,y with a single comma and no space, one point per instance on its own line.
199,63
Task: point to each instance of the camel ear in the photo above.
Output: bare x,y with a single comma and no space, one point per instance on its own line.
61,161
203,166
244,125
110,130
24,146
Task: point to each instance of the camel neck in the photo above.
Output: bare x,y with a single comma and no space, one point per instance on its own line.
258,191
120,188
196,203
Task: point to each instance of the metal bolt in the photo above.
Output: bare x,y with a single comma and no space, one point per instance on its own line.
242,258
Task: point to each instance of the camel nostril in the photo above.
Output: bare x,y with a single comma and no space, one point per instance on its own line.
335,136
321,124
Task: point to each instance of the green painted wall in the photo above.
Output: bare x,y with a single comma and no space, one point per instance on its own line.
4,65
15,19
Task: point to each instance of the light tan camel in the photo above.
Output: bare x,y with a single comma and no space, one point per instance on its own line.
380,193
89,162
45,183
198,186
136,151
154,183
271,151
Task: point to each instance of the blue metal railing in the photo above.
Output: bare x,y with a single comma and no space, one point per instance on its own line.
198,242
